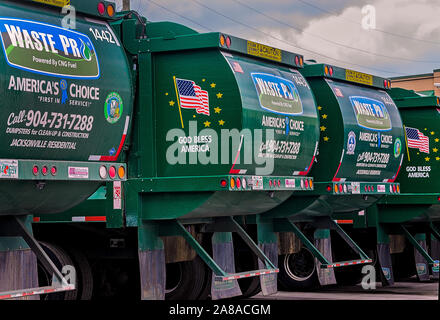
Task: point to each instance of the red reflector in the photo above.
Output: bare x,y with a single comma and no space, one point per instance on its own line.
270,183
296,60
223,183
35,170
112,172
44,170
96,219
279,183
394,187
340,188
53,170
307,184
329,189
228,42
101,8
330,70
238,182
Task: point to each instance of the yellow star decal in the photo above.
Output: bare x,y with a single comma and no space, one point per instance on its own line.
213,85
323,128
319,108
217,110
324,116
426,129
436,139
203,80
166,93
437,158
221,122
432,133
194,115
219,95
172,103
207,123
326,138
434,149
427,158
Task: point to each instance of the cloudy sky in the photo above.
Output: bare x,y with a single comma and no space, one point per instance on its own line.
406,38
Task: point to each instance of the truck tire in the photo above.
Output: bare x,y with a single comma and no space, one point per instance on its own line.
185,280
60,258
84,275
298,271
246,261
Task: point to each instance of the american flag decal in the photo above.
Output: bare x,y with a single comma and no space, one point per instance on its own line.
417,140
192,96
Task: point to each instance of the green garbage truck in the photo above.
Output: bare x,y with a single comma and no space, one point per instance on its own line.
359,156
221,128
405,224
64,129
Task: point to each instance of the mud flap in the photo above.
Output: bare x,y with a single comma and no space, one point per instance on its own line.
386,267
151,262
223,255
435,254
326,276
421,263
152,274
269,282
18,268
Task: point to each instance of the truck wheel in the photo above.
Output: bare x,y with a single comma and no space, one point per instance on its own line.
185,280
247,261
60,258
298,271
84,275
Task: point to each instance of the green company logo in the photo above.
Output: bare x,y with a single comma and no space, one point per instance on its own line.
277,95
371,114
47,49
397,148
113,107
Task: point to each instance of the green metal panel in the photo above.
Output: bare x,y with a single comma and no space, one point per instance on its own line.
419,199
63,106
234,104
360,149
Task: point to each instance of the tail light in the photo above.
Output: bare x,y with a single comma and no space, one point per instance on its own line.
112,172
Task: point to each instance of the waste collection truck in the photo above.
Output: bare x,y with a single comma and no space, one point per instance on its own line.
413,213
67,99
222,128
359,157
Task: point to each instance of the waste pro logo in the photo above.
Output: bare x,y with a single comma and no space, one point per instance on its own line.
277,94
371,114
48,49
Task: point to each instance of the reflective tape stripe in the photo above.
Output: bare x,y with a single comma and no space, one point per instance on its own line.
348,263
90,219
344,221
247,275
33,292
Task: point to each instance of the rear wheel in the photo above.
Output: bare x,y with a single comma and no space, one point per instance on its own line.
298,271
84,275
185,280
60,258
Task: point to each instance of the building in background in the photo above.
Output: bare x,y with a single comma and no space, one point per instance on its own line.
427,84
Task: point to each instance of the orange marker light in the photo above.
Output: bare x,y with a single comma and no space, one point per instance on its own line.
222,40
110,10
121,172
232,183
